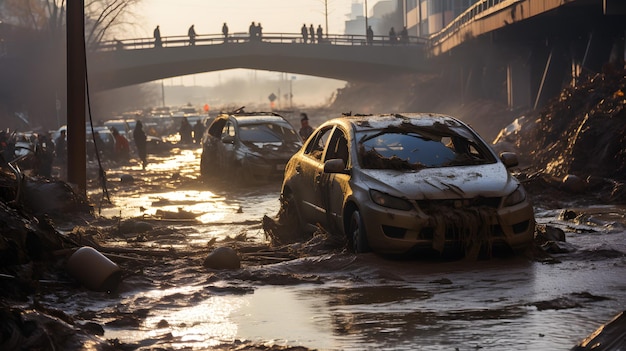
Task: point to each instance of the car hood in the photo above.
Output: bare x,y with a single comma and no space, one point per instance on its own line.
490,180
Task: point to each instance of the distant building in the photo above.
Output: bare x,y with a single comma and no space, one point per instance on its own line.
356,24
425,17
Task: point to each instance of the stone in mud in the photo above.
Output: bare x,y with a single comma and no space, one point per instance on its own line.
131,226
567,215
545,233
127,178
574,184
223,258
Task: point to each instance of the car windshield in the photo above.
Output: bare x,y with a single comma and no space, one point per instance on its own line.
267,133
396,148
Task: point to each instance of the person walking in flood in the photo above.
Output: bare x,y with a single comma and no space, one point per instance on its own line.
140,142
305,33
198,130
192,35
305,129
185,131
121,148
157,37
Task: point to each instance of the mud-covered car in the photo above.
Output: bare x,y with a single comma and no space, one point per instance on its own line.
405,183
248,145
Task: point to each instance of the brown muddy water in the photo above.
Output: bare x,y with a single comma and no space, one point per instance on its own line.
336,300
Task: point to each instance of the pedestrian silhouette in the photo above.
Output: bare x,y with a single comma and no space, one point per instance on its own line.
157,38
225,32
404,36
305,33
252,31
305,129
312,34
139,136
320,34
259,32
392,36
198,130
192,35
370,35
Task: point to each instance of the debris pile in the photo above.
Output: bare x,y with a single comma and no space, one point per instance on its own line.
581,132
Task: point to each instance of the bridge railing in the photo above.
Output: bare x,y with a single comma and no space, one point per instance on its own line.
468,15
244,37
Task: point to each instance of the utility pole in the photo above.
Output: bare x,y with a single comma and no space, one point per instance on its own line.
76,78
326,15
366,26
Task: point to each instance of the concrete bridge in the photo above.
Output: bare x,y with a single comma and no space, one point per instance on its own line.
531,47
346,57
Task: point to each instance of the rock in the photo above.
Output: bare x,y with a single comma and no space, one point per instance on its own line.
127,178
131,226
567,215
545,233
573,184
222,258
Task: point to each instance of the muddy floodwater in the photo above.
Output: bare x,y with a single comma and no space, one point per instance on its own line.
337,300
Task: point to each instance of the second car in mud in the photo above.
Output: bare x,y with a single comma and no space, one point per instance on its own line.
404,183
248,145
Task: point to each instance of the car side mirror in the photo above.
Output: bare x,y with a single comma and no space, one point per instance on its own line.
228,139
509,159
335,165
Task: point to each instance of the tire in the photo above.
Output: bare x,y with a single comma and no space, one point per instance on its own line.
357,233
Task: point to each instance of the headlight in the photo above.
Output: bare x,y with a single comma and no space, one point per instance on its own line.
515,197
389,201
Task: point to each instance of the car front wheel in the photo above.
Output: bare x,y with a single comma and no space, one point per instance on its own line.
357,231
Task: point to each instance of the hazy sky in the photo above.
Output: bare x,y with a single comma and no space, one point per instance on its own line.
276,16
284,16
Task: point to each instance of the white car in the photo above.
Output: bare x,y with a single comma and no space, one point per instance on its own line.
411,182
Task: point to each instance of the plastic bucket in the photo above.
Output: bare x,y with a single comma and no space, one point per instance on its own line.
94,270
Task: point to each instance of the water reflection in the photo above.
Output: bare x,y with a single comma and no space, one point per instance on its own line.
358,302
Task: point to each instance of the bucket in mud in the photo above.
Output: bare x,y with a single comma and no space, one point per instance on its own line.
94,270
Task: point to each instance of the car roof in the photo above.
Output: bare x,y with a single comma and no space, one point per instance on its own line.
116,121
379,121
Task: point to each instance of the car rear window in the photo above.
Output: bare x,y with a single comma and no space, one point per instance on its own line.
410,150
267,133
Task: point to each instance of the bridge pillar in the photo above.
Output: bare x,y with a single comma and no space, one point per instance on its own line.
550,70
518,84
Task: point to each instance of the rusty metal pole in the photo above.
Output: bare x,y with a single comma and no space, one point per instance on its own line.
76,73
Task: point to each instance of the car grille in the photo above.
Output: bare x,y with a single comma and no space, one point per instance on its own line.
490,202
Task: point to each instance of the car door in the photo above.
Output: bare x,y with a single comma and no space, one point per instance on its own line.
309,169
227,145
334,187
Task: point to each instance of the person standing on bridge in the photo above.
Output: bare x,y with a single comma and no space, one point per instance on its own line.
392,36
157,38
259,32
192,36
320,34
404,36
312,34
305,33
225,32
370,35
252,31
